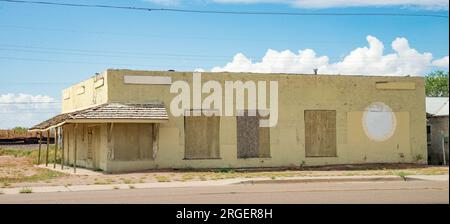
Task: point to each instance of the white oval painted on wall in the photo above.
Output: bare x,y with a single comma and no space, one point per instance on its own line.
379,121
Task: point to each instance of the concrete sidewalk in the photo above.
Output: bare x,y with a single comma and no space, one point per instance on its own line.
70,170
48,189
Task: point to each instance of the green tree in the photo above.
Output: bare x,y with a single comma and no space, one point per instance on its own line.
436,84
20,129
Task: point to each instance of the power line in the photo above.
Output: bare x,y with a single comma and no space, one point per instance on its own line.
90,63
161,36
223,12
142,55
114,52
175,56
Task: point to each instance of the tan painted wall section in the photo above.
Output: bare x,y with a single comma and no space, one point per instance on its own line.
95,93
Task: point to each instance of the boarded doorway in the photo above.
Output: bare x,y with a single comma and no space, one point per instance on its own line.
92,146
320,133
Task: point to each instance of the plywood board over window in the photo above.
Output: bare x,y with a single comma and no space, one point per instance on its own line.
133,141
320,133
252,141
202,137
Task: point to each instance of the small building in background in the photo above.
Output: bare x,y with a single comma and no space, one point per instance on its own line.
437,130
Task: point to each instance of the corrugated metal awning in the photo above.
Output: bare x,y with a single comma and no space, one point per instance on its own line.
109,113
437,106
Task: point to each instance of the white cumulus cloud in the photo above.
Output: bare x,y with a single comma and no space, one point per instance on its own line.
443,62
25,98
368,60
26,110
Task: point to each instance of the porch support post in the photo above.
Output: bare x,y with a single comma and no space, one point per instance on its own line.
56,147
40,146
75,150
48,146
110,128
63,140
155,133
68,147
444,160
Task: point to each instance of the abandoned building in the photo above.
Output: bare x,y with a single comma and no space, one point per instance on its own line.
120,120
437,130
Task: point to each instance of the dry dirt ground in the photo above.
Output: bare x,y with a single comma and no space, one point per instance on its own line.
17,170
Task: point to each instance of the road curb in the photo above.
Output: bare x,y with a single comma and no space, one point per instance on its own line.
325,179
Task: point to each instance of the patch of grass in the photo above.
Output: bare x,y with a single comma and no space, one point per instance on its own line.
187,177
1,192
418,157
101,183
33,154
273,177
17,153
350,174
6,184
302,164
433,171
40,175
162,179
131,186
109,180
128,181
116,187
402,174
26,190
67,185
202,178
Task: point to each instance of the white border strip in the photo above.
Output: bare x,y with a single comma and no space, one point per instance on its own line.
147,80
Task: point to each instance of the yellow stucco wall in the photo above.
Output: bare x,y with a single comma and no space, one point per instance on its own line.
348,95
95,93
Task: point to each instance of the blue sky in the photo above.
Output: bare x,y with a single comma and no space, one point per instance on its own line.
44,49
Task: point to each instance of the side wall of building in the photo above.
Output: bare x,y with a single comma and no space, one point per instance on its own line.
350,96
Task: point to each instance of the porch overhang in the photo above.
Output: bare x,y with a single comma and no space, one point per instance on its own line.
109,113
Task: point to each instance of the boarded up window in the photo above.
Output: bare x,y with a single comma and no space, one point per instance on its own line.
252,140
320,133
201,137
133,141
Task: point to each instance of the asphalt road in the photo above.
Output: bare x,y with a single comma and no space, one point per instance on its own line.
298,193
